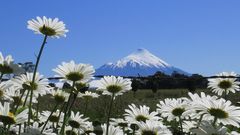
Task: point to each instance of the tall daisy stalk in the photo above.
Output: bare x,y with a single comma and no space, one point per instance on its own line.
7,66
46,27
113,86
34,75
78,75
109,112
67,108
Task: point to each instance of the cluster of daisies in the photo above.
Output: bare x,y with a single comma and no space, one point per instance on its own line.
20,91
15,92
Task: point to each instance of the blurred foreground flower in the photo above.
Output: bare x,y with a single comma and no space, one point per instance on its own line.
8,118
7,66
215,110
206,128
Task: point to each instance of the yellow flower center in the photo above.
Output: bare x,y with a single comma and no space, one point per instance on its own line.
70,132
54,118
178,111
30,86
141,118
218,113
59,98
4,69
114,88
11,114
148,132
47,31
8,120
225,84
1,93
74,76
74,124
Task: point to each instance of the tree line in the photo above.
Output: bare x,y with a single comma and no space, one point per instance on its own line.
174,81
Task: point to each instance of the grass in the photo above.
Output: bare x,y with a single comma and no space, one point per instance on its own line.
97,108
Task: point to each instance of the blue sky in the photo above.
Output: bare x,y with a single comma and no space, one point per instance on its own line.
200,36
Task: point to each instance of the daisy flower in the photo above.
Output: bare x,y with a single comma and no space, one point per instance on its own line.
77,121
88,128
59,95
3,87
7,65
35,129
24,81
217,110
224,85
14,95
152,128
119,122
88,95
173,108
188,125
8,118
135,114
202,96
206,128
71,131
224,111
72,72
111,85
112,130
48,26
54,119
196,102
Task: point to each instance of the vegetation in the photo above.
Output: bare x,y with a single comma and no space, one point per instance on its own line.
97,108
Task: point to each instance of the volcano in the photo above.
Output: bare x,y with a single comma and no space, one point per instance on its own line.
138,63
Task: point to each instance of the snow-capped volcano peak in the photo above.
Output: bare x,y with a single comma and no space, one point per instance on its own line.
142,57
140,62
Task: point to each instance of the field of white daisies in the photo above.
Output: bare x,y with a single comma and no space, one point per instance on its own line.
195,114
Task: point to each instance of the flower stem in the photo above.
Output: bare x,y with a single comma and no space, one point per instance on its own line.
71,105
214,121
180,123
60,112
37,110
25,101
34,75
67,110
199,122
20,128
65,115
39,56
54,109
18,104
134,130
225,94
109,112
1,76
86,106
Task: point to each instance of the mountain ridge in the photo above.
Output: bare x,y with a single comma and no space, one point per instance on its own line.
138,63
